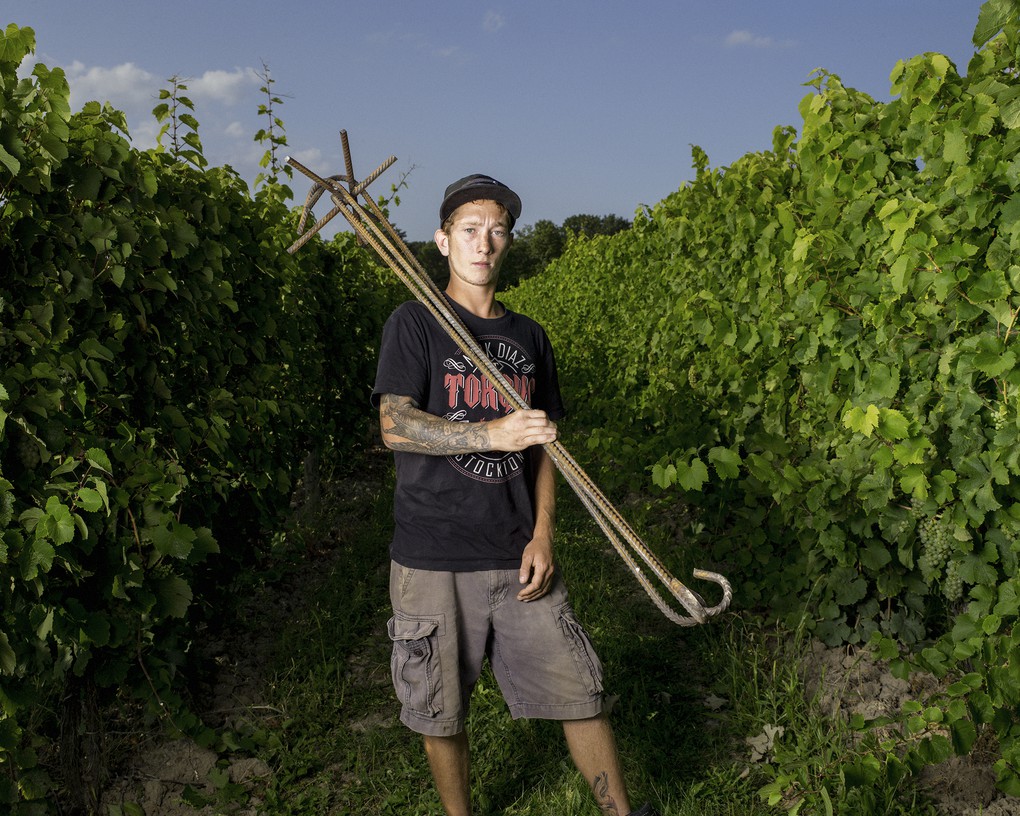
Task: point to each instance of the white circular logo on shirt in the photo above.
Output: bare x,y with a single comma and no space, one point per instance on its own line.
471,397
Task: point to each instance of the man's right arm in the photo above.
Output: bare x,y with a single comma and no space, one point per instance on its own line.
405,427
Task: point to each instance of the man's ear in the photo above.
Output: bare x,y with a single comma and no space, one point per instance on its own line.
443,242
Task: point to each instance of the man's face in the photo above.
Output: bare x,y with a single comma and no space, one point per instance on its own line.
477,242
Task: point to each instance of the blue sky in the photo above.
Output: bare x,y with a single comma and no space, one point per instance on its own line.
582,107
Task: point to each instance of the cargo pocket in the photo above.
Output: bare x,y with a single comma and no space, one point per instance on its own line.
589,667
415,664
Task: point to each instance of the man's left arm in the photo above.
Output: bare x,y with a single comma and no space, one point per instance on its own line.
537,564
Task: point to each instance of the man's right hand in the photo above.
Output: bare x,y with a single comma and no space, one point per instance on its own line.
521,429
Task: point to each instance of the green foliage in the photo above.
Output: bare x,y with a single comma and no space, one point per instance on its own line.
592,225
33,120
165,365
536,246
176,115
273,135
818,344
543,241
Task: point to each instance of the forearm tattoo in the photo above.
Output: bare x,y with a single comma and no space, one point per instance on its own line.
406,427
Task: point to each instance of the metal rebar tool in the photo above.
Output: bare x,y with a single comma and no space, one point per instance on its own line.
372,228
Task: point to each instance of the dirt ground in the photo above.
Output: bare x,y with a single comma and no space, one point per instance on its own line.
858,684
157,774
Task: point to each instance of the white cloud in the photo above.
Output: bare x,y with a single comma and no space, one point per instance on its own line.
411,41
228,87
742,38
493,22
27,64
236,130
133,89
381,39
126,86
310,158
144,130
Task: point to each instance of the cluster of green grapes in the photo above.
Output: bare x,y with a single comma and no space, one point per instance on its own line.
936,555
6,332
904,524
935,547
28,450
1000,416
952,584
6,508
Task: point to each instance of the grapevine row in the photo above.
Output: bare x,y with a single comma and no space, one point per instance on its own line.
818,344
165,366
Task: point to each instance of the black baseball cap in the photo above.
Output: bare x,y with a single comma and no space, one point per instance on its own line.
479,188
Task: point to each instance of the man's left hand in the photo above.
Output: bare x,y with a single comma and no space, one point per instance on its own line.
537,570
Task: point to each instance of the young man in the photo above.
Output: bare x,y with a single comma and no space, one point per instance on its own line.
473,572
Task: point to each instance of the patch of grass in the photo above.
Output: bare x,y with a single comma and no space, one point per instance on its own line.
686,701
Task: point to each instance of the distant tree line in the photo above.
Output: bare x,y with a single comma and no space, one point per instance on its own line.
534,248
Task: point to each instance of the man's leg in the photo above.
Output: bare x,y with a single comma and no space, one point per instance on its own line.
593,749
448,759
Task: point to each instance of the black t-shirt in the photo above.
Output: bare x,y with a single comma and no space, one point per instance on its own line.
473,511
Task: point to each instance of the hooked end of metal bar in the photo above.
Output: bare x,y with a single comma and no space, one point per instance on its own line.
694,604
715,577
691,601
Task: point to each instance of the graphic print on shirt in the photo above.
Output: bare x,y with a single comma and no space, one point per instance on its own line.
471,397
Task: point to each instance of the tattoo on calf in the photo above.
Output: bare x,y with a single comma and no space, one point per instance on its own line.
410,429
600,786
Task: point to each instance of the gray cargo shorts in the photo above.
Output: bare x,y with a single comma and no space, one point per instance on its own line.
445,623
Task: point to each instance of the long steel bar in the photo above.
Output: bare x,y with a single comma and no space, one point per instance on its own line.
373,228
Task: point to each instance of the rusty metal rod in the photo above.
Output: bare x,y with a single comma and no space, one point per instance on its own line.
372,228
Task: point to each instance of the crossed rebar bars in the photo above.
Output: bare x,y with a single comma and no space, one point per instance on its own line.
372,228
